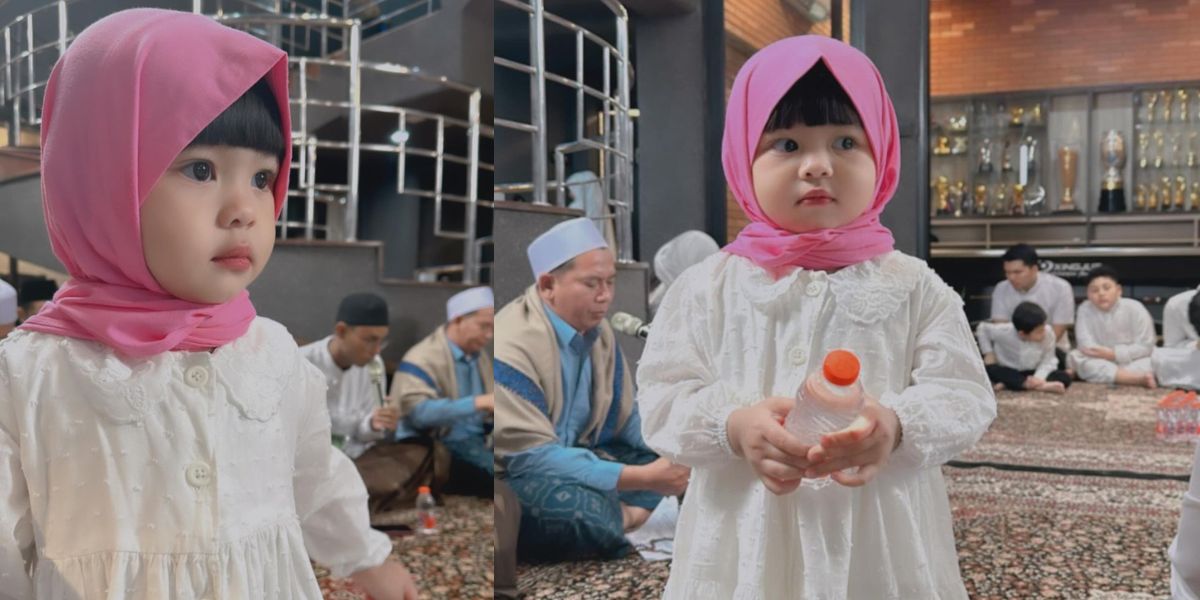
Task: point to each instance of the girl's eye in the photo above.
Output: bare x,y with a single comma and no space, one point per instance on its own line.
785,145
199,170
846,143
261,180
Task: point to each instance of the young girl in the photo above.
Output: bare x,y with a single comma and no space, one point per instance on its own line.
1115,335
157,440
811,152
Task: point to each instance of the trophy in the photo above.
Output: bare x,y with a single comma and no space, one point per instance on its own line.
1139,199
1164,98
1000,205
1143,150
1017,115
1018,201
1182,97
1152,197
1112,155
1151,101
1006,158
1159,141
1068,167
1165,203
959,197
1194,197
942,190
981,199
943,145
985,156
1180,193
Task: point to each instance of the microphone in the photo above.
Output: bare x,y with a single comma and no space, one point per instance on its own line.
376,371
630,325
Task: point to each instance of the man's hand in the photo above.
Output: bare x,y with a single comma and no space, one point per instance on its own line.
485,403
661,476
756,434
384,418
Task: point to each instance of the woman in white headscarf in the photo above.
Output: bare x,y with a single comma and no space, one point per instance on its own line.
674,257
586,194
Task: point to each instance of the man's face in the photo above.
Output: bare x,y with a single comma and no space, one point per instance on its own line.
1020,275
361,343
475,329
582,294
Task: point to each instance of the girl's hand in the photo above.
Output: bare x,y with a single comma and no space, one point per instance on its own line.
388,581
866,443
756,434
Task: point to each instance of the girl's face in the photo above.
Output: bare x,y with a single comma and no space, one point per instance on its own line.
1104,293
820,177
208,224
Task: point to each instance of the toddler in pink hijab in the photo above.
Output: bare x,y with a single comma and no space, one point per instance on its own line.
157,438
811,153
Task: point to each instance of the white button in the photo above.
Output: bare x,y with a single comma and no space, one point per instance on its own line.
799,357
196,376
814,288
198,475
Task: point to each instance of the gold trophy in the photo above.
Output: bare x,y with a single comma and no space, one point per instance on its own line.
1018,201
943,145
1180,193
1068,168
1182,97
1018,116
1112,155
1000,204
1152,197
1150,103
1143,150
1165,100
1194,197
981,199
960,197
1166,194
942,190
1139,199
1159,141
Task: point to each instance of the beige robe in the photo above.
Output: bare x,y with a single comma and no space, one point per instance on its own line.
427,373
529,396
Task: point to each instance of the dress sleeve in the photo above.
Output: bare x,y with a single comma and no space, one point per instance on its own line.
331,499
949,403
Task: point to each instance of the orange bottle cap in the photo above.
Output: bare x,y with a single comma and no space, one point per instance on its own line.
841,367
422,490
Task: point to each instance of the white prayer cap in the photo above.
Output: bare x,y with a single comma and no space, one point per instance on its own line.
469,301
563,242
8,304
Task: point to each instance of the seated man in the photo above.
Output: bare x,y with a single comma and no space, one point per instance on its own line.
34,294
1019,355
1178,328
568,434
1178,366
444,386
1115,335
8,309
361,421
1025,282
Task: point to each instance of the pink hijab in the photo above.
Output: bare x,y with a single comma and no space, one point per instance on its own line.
760,85
128,96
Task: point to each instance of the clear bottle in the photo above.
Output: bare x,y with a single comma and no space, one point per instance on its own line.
426,511
828,400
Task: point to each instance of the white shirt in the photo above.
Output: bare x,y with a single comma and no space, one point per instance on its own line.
1185,549
351,399
182,475
1127,328
1049,291
728,335
1013,352
1177,328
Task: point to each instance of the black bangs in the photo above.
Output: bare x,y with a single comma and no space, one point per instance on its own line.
815,99
252,121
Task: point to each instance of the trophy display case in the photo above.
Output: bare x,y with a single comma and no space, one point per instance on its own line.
1108,169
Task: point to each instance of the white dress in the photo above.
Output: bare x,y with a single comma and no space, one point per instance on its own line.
184,475
1127,328
727,336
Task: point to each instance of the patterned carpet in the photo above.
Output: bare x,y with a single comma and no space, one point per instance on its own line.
454,564
1019,534
1093,427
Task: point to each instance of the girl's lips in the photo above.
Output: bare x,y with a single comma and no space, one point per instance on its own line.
234,263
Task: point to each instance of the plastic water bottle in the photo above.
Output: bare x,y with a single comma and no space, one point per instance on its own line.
828,400
1178,417
426,511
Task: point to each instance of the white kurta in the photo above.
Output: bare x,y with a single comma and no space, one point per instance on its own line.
727,336
1177,327
1185,549
351,399
1127,328
1013,352
183,475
